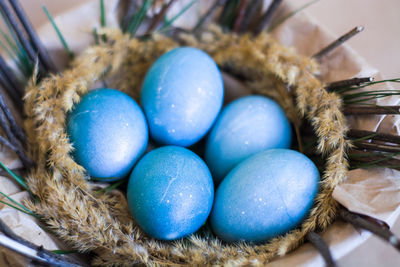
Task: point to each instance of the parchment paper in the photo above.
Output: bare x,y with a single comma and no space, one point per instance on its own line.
375,192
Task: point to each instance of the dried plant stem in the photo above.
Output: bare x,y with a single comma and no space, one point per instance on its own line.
371,110
11,78
21,36
157,19
34,252
359,222
43,55
349,82
354,133
24,158
338,42
362,159
17,130
322,247
377,147
128,15
207,16
266,18
249,15
240,16
4,83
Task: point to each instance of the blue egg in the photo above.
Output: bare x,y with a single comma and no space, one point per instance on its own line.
170,193
245,127
181,96
264,196
109,133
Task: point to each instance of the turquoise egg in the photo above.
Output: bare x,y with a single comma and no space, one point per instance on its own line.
181,96
264,196
108,132
245,127
170,193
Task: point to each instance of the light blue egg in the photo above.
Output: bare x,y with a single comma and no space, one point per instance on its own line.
109,133
264,196
170,193
245,127
181,96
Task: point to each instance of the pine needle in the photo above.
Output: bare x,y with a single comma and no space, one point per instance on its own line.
352,88
291,14
16,202
63,252
168,22
60,36
96,36
16,177
138,18
111,187
103,19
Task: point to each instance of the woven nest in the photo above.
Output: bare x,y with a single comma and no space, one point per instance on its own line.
101,223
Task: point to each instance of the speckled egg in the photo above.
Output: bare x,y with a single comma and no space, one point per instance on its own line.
109,133
170,193
181,96
264,196
245,127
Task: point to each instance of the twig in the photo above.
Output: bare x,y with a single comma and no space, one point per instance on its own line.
43,55
7,130
240,16
349,82
21,36
17,130
28,249
322,247
207,16
11,78
24,158
338,42
359,222
4,83
252,9
377,147
128,15
370,110
266,18
354,133
157,19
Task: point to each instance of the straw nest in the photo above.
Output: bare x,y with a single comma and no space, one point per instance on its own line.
101,223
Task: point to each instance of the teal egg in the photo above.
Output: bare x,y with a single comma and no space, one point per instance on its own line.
245,127
170,193
264,196
181,96
108,132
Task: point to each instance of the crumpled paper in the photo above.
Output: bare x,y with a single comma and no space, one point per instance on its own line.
374,192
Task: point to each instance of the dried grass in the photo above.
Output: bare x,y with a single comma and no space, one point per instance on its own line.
102,224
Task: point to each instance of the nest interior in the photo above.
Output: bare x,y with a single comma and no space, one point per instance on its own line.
101,223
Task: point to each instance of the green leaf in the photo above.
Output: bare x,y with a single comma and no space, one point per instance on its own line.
60,36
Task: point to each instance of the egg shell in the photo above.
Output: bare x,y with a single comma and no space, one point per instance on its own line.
170,193
245,127
181,96
109,133
265,196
